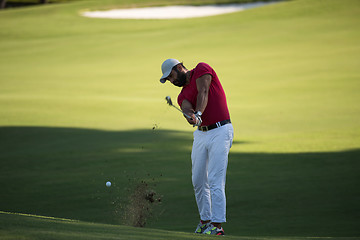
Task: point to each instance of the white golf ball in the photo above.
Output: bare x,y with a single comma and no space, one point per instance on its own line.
108,184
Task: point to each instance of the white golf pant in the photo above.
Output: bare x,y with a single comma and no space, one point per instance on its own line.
209,163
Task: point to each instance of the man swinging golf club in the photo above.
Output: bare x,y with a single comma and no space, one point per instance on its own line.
203,99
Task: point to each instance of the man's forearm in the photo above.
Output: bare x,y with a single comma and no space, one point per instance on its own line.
203,86
187,107
201,102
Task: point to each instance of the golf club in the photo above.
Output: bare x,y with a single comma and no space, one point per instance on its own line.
168,100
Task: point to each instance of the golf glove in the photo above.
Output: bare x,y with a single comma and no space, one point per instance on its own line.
198,118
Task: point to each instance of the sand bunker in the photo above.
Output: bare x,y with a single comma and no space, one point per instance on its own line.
172,12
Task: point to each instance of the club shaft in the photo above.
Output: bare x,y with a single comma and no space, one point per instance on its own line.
182,112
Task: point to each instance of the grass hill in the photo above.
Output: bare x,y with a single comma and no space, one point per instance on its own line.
81,104
22,226
25,226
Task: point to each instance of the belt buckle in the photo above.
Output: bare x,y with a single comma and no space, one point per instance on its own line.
204,128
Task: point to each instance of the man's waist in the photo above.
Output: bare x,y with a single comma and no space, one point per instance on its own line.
213,126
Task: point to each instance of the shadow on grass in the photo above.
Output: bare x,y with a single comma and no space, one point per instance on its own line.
62,172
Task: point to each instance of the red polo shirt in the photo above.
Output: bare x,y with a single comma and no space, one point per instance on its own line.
216,109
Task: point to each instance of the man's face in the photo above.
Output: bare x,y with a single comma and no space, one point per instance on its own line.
177,78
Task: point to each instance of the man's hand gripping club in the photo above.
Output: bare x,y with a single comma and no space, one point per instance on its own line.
202,85
198,119
188,110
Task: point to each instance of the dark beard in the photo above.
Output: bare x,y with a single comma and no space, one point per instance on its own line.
180,80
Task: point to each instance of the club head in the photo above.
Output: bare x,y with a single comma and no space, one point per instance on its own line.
168,99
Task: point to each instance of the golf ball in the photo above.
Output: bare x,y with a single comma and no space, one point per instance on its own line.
108,184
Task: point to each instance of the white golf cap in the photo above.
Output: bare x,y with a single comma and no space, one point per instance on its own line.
166,68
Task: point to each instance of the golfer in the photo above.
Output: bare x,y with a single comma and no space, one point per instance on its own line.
203,99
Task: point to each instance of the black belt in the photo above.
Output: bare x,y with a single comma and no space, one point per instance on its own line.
212,126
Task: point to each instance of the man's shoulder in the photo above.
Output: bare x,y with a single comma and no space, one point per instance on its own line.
202,65
203,68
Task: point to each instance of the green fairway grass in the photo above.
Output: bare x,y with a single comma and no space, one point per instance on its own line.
81,104
39,227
